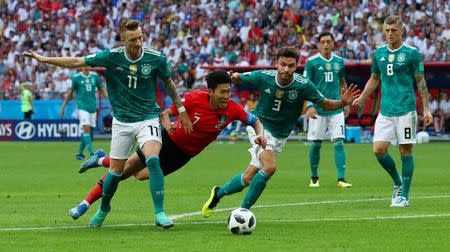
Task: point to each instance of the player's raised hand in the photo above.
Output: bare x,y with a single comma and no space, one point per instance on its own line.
311,112
185,122
235,77
358,101
350,94
261,141
33,56
427,117
169,126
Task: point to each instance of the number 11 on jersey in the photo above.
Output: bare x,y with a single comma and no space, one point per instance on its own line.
132,81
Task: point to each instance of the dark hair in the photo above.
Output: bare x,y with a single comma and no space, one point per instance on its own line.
288,52
323,34
217,77
129,25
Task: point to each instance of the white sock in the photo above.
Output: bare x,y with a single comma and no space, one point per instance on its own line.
85,203
100,161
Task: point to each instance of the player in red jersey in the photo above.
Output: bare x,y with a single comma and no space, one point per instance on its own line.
209,112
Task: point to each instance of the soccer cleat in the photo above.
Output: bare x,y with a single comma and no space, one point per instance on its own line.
211,203
79,156
400,202
98,218
161,220
78,211
314,183
343,184
92,162
396,193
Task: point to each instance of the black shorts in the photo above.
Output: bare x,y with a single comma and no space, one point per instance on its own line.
171,157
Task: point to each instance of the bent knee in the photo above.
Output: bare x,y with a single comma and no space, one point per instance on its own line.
247,178
270,169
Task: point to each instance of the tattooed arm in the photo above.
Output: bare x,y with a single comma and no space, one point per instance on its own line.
423,92
183,117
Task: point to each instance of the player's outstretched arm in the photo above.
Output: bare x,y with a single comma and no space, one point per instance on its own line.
67,98
68,62
165,120
260,138
371,85
348,96
183,117
423,92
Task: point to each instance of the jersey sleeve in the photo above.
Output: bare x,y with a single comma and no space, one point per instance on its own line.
374,67
312,94
99,59
417,62
239,113
342,72
251,77
98,82
307,72
164,71
74,85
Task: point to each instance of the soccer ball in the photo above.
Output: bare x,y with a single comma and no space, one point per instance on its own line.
241,221
423,137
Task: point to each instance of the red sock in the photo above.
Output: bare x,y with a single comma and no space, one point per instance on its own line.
96,191
105,162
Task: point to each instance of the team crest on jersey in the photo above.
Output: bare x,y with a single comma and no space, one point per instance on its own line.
401,57
221,121
146,69
328,66
88,81
293,94
279,94
337,67
391,57
133,69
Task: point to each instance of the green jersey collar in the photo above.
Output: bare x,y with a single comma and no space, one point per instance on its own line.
136,60
390,50
281,86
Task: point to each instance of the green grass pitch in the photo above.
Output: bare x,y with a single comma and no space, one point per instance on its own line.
39,182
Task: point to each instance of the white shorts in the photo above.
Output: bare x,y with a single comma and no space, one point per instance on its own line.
125,135
273,143
396,129
335,124
87,118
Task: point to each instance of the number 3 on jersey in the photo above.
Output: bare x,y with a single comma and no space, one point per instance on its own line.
389,69
276,105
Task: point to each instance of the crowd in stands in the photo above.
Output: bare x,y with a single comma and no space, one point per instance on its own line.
193,34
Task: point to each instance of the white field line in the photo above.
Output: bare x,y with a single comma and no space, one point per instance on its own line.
179,216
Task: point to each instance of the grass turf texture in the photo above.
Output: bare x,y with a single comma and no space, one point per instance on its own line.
39,182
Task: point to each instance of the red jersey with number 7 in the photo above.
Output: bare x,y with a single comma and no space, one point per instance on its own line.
207,123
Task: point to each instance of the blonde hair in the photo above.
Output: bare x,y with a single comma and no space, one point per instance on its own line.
129,25
394,20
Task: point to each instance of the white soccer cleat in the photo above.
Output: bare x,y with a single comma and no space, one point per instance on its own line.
396,193
314,183
400,202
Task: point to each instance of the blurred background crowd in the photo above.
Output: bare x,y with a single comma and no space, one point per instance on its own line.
194,34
